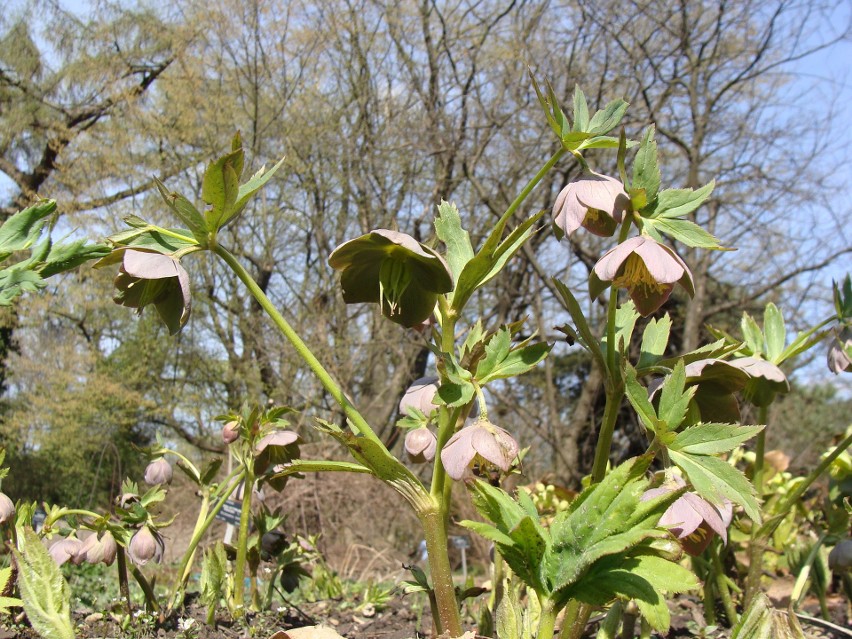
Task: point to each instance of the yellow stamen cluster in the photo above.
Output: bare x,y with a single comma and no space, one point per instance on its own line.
635,275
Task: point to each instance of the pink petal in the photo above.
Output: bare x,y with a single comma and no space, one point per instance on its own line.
607,267
150,266
663,265
458,453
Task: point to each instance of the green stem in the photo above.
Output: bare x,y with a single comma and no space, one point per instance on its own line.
151,604
355,418
613,403
64,512
547,620
222,494
242,543
722,585
498,228
759,451
805,573
123,588
758,540
576,617
434,528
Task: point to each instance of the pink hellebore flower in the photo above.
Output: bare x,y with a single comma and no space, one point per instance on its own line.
159,471
148,277
146,545
278,447
838,352
100,550
716,381
67,549
420,444
766,379
595,202
481,439
421,395
7,508
647,269
231,432
691,518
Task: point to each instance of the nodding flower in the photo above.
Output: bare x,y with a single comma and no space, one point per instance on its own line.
420,444
595,202
159,471
480,440
394,270
647,269
146,545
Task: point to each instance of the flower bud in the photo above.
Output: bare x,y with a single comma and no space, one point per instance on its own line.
158,471
145,546
7,508
840,557
101,550
420,444
68,549
231,432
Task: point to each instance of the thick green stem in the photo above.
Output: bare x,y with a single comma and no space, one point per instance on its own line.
613,403
574,622
223,493
356,419
242,543
151,604
123,588
434,528
759,451
722,585
547,620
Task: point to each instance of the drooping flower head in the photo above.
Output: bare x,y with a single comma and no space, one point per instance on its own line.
394,270
278,447
838,352
595,202
101,549
419,395
420,445
691,518
148,277
716,381
146,545
7,508
479,440
159,471
765,380
67,549
647,269
231,432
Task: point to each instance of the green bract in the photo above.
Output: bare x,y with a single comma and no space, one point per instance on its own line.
393,269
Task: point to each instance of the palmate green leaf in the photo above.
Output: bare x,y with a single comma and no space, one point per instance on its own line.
625,322
752,334
219,188
502,362
17,279
517,532
712,439
608,118
449,230
491,258
247,190
603,142
66,256
581,110
45,593
655,338
684,231
775,332
496,350
22,229
675,397
608,518
185,211
637,395
676,203
715,479
646,172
